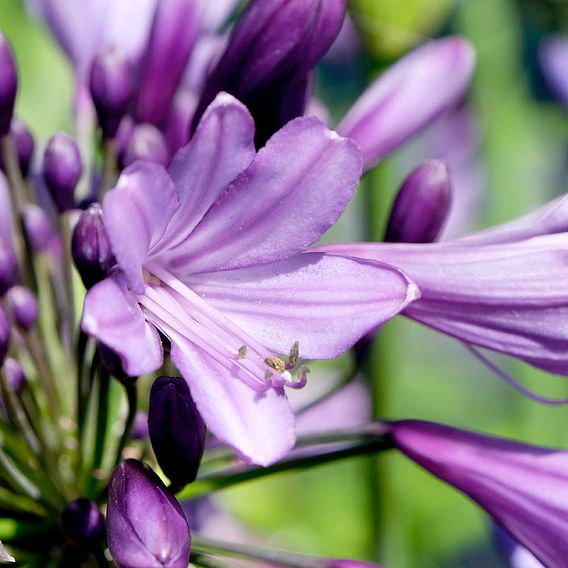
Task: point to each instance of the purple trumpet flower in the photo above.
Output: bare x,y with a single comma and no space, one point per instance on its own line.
269,58
522,487
503,288
146,526
408,97
213,257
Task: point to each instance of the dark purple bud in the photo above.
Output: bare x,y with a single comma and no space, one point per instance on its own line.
273,48
177,431
421,206
145,524
174,30
15,376
23,307
111,85
62,169
140,426
90,247
147,143
38,227
24,142
8,85
4,335
112,362
82,523
8,267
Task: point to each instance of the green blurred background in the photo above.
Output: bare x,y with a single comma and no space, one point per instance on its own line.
339,510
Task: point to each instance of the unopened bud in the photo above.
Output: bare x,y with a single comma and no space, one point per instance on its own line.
38,227
421,206
8,85
8,267
23,307
145,524
82,523
177,431
111,84
62,169
15,376
140,426
146,143
90,247
111,362
24,142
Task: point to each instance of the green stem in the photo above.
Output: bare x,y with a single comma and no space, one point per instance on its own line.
68,303
110,166
132,399
101,426
369,440
204,545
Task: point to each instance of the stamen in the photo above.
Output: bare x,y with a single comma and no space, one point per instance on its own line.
243,352
276,363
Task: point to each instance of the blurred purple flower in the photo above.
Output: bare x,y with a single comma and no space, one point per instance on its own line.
522,487
214,259
408,97
554,62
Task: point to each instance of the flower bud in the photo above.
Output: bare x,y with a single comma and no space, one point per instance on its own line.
23,306
111,362
145,524
8,85
177,431
8,267
15,376
140,426
269,58
4,335
147,143
111,85
421,206
82,523
24,143
38,227
90,247
62,169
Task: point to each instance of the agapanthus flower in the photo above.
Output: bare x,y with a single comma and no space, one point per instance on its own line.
212,256
504,288
522,487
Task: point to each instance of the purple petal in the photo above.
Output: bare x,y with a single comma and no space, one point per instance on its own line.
524,488
325,302
547,220
174,31
408,96
295,189
112,315
553,59
221,148
259,426
136,214
511,298
82,28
